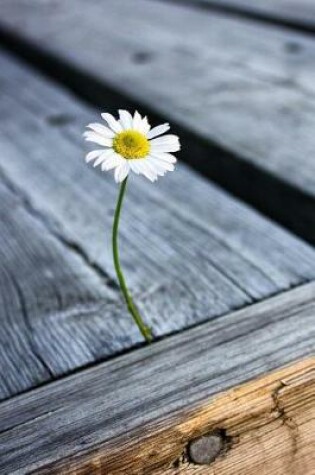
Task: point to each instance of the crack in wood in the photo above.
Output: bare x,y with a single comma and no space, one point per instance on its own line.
286,420
240,11
53,228
29,329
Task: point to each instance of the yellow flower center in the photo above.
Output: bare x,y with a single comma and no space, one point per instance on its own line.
131,144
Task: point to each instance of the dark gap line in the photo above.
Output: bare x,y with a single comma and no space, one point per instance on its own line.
173,334
53,230
270,195
239,11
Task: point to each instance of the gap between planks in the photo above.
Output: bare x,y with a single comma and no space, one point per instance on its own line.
272,12
214,255
266,426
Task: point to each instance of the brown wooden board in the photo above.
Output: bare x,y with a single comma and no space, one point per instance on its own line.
241,93
190,252
137,414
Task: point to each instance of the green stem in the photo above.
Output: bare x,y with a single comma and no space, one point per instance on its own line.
146,331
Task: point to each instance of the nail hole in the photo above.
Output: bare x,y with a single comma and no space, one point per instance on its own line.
142,57
205,449
293,47
59,119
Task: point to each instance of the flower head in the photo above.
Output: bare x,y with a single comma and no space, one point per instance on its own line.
129,144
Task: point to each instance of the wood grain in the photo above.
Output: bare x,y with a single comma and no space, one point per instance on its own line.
55,311
185,264
269,427
137,413
241,93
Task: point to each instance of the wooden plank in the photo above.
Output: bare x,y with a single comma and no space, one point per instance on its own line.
242,93
271,427
162,397
184,264
295,14
55,311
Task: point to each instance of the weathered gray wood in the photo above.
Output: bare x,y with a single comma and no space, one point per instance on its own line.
125,402
298,14
56,313
190,251
246,87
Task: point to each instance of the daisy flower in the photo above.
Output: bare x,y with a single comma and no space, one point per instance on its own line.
130,144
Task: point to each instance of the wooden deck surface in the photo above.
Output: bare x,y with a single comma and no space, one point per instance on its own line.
218,253
45,431
245,89
213,256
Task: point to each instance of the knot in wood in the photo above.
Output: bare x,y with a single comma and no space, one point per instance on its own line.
205,449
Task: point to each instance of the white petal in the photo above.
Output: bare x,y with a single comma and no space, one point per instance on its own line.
165,143
159,130
137,122
146,170
133,163
112,161
126,120
102,130
161,165
121,171
157,167
136,165
168,147
145,126
116,174
97,138
103,156
165,139
98,161
112,122
92,155
124,170
166,157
